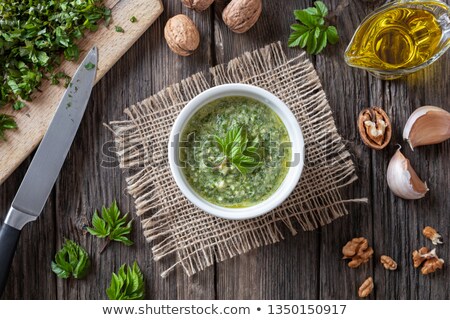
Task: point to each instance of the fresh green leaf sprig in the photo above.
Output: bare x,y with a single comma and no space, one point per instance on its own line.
237,151
111,225
71,260
127,284
312,32
6,123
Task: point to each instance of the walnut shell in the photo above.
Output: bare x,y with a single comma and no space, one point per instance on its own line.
197,5
182,35
241,15
374,127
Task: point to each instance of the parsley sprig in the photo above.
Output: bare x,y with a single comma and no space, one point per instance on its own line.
111,225
237,151
71,260
127,284
312,32
6,123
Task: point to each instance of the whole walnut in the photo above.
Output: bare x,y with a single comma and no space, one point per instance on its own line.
182,35
241,15
197,5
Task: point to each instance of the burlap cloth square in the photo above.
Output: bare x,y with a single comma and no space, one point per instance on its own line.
173,224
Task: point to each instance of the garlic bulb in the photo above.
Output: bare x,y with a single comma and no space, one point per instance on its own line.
403,180
427,125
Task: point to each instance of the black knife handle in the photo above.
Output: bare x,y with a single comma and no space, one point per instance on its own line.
9,237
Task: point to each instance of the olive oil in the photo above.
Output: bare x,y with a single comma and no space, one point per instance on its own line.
399,36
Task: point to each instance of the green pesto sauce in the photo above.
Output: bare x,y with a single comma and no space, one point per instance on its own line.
201,156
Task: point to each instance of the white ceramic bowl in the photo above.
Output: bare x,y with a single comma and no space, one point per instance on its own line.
295,135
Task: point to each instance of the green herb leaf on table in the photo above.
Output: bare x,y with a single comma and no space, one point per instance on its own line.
89,66
237,151
133,19
111,225
6,123
127,284
18,105
71,260
312,32
119,29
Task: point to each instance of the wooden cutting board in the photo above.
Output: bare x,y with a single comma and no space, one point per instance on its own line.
34,119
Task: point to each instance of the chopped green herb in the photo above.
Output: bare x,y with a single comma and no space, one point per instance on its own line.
119,29
6,123
55,77
71,260
18,105
127,284
133,19
35,34
312,32
89,66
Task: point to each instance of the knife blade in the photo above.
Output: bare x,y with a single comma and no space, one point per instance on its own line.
47,161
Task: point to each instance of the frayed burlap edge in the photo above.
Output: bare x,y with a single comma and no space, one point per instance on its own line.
198,239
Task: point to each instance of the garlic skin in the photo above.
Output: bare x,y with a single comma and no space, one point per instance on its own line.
403,180
427,125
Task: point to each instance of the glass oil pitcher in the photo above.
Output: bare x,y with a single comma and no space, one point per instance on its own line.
400,37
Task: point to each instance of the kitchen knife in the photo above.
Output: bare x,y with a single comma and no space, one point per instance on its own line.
47,162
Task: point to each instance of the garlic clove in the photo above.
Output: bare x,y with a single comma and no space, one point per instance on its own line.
427,125
403,180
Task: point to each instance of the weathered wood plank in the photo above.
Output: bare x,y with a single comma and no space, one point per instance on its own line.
347,91
398,223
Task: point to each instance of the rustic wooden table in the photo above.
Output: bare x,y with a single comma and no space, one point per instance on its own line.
307,266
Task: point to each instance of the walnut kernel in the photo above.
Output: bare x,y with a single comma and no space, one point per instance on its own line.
366,288
358,250
197,5
433,235
241,15
374,127
431,261
432,265
388,263
419,256
182,35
